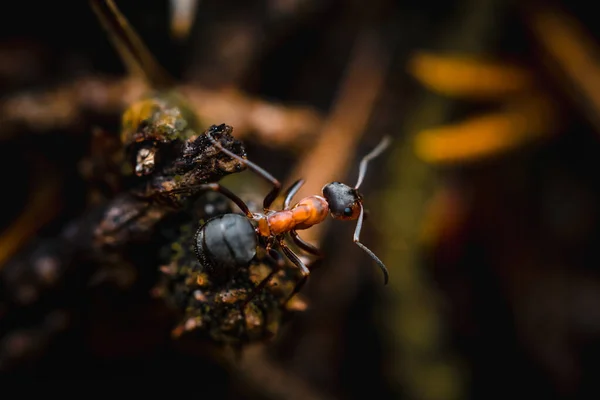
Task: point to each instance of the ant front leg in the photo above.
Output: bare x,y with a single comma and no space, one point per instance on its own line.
272,195
366,249
309,248
220,189
297,262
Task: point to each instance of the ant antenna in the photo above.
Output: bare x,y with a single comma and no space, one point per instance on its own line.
254,168
385,142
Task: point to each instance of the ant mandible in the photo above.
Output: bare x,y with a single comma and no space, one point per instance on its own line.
230,239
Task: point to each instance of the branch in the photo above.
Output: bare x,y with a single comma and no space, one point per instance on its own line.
570,53
65,107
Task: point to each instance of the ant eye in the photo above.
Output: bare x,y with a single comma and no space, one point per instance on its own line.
347,211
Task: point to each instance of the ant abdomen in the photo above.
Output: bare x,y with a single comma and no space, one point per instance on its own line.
224,244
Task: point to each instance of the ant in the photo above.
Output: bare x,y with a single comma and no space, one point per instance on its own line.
227,241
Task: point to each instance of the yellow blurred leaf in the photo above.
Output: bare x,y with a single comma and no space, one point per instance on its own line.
570,47
486,135
468,76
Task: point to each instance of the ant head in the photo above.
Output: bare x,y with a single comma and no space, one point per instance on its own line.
344,201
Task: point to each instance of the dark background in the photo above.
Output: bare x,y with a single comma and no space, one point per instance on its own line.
501,301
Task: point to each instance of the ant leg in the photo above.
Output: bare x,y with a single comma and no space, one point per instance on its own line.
279,263
272,195
220,189
305,245
297,262
369,252
291,192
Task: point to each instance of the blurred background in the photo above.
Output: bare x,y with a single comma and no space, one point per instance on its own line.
485,208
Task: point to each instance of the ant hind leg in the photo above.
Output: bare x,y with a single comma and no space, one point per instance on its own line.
220,189
297,262
278,264
367,250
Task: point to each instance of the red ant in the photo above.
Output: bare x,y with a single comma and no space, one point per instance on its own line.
230,240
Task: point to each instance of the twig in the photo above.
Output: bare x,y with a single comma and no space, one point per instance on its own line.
328,160
331,156
573,51
64,107
40,209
